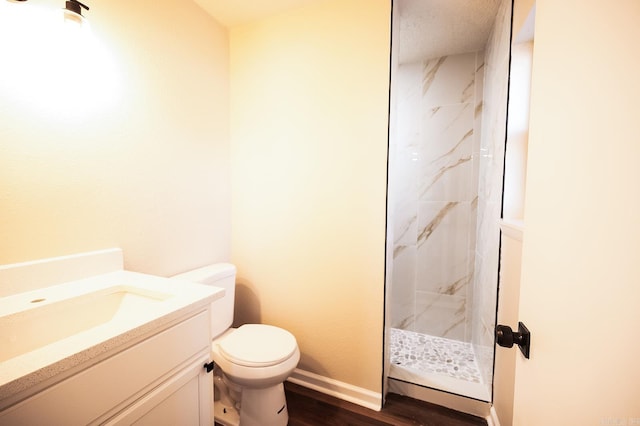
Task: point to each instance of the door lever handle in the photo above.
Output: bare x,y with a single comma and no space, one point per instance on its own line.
506,337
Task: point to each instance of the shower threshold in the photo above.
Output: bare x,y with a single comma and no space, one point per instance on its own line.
436,362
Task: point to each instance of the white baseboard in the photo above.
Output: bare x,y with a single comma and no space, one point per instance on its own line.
341,390
492,418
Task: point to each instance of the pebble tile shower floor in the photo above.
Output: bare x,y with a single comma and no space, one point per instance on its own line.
434,355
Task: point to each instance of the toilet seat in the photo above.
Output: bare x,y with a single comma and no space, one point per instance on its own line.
258,345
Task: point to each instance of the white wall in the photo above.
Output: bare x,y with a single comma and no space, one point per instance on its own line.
309,116
135,154
580,294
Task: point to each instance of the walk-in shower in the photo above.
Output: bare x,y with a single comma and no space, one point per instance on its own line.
449,85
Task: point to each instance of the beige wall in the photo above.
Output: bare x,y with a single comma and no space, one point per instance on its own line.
309,143
580,294
136,155
138,159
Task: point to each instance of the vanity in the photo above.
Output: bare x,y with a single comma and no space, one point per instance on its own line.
91,343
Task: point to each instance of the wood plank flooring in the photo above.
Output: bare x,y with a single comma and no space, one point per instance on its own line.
310,408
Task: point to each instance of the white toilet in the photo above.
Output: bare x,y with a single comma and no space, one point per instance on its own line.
251,361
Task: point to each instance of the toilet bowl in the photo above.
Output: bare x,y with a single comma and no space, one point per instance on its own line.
252,361
256,355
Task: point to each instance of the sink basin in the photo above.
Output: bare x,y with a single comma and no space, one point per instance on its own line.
42,322
61,315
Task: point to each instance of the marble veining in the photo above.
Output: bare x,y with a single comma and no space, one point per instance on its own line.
427,230
496,70
398,249
434,176
449,79
404,228
453,288
431,69
443,171
478,110
446,174
440,315
456,146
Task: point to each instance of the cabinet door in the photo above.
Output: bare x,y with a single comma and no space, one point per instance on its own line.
186,399
105,389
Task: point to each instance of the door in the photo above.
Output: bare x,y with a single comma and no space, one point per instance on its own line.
579,285
446,145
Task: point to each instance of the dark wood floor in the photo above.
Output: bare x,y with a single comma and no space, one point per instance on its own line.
310,408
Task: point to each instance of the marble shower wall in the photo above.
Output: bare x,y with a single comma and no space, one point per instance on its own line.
434,181
491,163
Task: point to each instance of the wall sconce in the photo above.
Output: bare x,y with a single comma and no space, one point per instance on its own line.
52,67
72,10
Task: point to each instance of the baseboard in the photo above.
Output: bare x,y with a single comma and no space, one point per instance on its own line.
492,418
344,391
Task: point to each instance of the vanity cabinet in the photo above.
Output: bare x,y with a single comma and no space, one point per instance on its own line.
160,380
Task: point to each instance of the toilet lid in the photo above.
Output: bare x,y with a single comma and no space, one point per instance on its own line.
258,345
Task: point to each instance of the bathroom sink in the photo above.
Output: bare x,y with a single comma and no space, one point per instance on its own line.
43,322
51,330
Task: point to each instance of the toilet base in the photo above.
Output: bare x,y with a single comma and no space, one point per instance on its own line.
258,407
224,407
264,407
225,415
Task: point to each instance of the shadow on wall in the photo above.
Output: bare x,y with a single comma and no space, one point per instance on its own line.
247,304
311,366
247,311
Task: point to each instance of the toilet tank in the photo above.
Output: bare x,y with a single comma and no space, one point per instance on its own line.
219,275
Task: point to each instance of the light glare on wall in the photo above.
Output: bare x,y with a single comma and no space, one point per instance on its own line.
53,66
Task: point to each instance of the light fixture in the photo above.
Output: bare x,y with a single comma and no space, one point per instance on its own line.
73,11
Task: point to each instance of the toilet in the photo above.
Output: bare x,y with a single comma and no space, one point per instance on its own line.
252,361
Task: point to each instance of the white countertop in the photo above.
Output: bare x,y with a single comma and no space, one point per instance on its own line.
85,348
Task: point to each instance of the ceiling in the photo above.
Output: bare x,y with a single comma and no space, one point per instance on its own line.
428,28
235,12
434,28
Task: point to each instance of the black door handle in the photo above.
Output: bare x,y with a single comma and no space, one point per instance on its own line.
506,337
